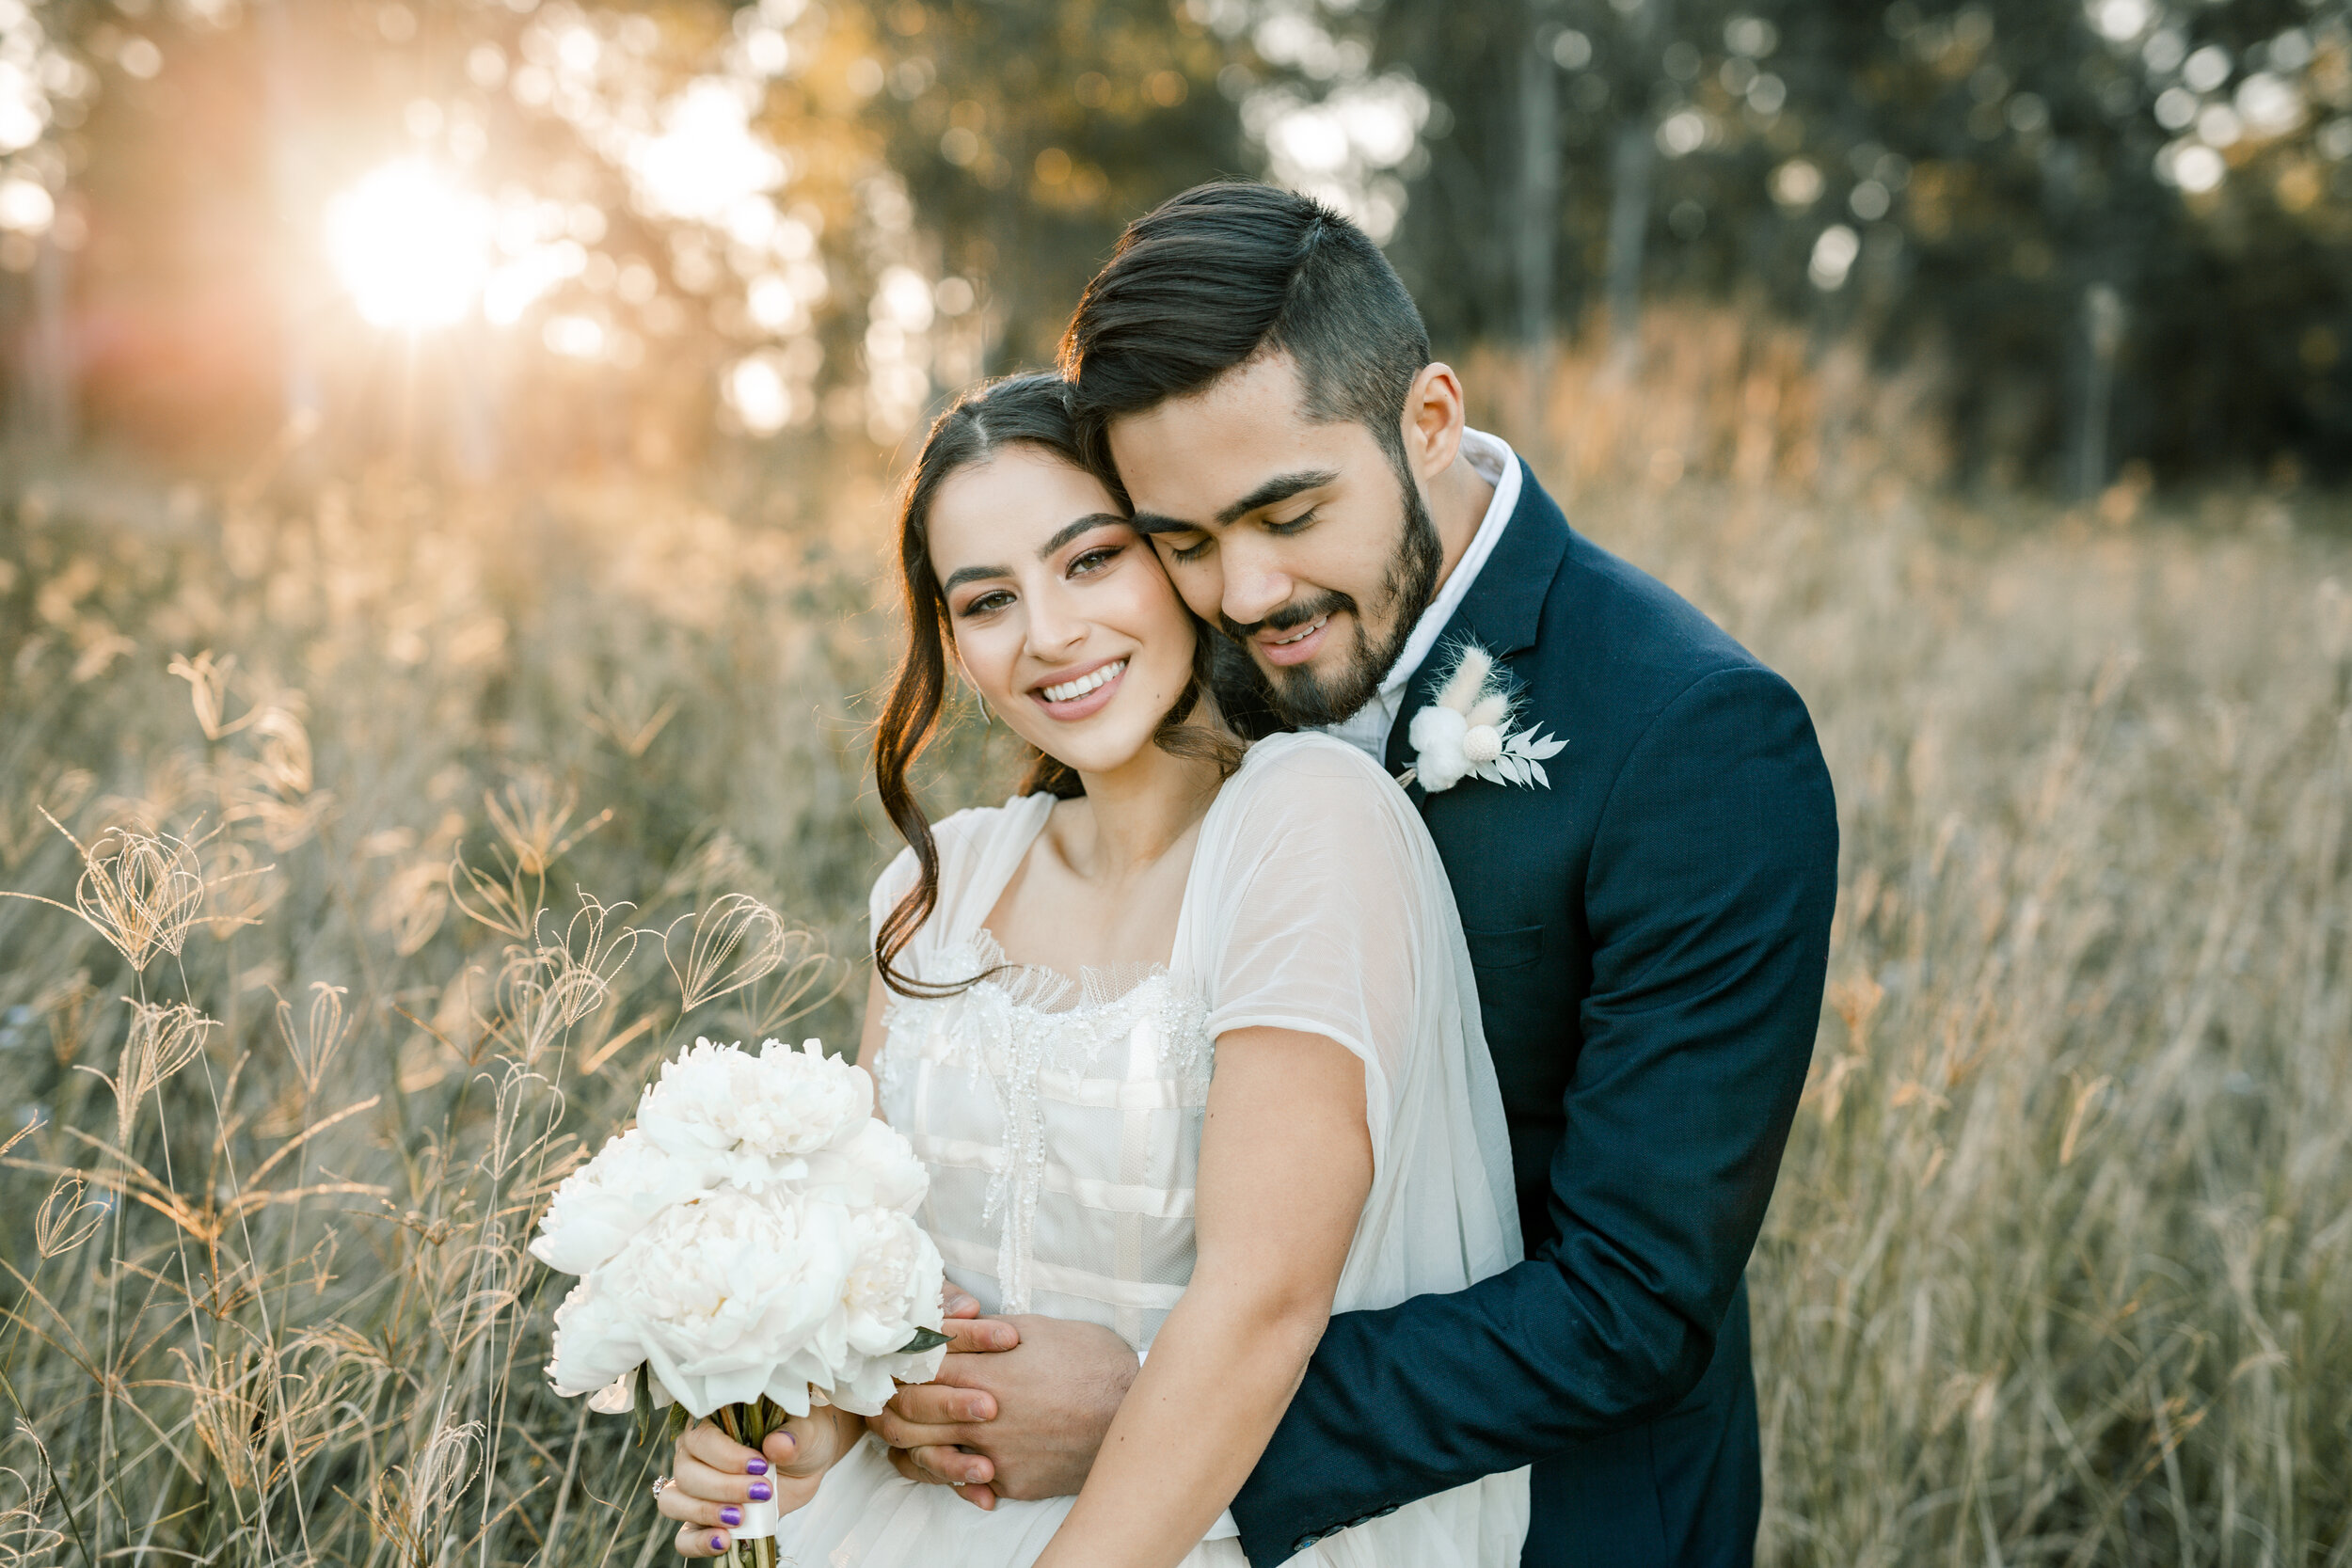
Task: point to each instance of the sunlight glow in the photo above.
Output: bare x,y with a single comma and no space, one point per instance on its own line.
413,248
709,164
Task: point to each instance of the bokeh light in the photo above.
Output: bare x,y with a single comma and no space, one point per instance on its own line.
412,248
25,206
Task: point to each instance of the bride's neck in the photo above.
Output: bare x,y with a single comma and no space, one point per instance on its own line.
1135,813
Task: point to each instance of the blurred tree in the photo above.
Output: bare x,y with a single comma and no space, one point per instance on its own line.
1029,136
2122,224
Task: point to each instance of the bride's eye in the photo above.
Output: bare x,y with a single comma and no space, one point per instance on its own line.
986,604
1094,559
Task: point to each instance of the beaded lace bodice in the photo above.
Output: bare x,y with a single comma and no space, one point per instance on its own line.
1060,1120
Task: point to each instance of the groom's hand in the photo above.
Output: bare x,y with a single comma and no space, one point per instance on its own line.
1018,1410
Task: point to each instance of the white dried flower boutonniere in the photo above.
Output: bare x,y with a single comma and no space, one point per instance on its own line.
1467,732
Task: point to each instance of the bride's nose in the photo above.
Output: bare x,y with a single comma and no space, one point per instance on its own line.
1055,627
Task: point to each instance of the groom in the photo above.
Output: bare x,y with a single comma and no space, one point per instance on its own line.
1649,931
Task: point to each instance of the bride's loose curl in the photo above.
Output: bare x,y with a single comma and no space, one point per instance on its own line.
1023,409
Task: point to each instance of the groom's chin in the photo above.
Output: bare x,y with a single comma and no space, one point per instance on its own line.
1304,698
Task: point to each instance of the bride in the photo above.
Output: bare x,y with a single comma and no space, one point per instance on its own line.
1186,1033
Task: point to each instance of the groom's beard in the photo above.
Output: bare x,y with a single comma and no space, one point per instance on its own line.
1306,699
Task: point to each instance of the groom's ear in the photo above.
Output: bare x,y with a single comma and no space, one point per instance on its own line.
1434,419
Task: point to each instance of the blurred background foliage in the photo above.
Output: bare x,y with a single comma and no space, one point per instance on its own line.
2121,232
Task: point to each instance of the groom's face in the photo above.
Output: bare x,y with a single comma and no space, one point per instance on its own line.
1297,537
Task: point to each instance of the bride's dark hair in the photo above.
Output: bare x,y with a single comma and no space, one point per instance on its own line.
1032,410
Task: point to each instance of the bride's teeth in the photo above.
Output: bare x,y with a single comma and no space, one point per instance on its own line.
1084,684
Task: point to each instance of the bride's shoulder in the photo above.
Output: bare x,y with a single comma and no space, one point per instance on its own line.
1311,773
1308,755
961,836
976,825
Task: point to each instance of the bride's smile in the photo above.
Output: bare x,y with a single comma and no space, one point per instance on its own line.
1084,694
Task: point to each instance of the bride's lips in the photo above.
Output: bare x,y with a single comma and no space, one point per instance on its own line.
1104,675
1295,644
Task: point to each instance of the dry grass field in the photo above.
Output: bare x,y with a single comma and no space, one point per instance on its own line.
391,835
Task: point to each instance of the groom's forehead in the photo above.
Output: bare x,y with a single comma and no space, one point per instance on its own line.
1254,403
1243,442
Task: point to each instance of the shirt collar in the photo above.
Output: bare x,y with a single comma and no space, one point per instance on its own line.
1491,458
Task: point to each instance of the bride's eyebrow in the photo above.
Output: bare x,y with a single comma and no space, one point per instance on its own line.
963,574
1070,530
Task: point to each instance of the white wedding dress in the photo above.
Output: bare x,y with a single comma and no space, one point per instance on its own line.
1060,1120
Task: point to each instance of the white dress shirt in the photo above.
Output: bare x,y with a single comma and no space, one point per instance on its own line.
1367,729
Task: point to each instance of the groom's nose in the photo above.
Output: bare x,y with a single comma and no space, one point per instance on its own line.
1255,584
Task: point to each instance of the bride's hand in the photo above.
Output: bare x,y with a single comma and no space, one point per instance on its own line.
712,1476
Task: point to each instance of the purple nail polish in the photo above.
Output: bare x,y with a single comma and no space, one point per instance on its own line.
761,1490
718,1543
757,1466
730,1516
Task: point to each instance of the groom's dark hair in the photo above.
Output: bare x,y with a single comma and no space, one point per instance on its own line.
1227,272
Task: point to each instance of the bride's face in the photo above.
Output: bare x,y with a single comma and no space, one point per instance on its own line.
1061,614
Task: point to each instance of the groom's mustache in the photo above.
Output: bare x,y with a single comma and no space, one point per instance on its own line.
1290,616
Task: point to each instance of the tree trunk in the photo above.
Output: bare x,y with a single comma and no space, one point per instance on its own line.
1540,208
2103,340
1630,162
1632,165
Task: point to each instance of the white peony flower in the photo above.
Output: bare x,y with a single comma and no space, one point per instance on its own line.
611,1197
874,1167
728,1297
776,1106
893,1290
596,1347
894,1287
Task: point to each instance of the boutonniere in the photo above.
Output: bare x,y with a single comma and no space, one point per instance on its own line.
1466,731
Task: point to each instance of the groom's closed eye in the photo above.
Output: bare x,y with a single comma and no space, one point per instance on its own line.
1181,541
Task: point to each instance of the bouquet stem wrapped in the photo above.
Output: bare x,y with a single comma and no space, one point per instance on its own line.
752,1544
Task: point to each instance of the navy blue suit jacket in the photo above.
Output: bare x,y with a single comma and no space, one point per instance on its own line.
1650,935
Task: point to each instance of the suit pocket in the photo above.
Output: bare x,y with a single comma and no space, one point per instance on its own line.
1516,948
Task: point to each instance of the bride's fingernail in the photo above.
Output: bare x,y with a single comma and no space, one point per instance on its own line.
718,1543
761,1490
730,1516
757,1466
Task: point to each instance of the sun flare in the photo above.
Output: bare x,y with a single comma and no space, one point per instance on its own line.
412,248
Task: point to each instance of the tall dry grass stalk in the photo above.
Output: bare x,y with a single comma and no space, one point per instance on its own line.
371,816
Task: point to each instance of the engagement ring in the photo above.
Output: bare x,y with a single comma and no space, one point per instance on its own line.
661,1484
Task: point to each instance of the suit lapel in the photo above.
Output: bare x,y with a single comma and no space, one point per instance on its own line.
1503,610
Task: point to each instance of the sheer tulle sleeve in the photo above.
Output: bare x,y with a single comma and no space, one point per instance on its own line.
1321,906
1310,899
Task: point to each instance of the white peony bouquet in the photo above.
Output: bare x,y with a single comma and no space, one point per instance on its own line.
748,1250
